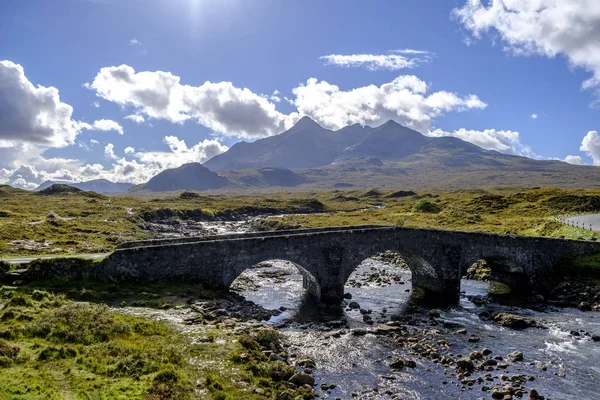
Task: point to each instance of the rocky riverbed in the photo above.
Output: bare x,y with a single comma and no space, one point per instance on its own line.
380,345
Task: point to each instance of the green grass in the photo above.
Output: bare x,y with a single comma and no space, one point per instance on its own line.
502,211
54,348
96,224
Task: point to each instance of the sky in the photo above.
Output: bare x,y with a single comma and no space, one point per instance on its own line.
123,89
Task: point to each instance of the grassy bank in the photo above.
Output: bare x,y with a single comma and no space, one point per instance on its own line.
507,211
52,347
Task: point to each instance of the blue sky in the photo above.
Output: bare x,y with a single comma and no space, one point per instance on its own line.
481,72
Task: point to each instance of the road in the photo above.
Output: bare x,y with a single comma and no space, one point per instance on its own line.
23,260
586,220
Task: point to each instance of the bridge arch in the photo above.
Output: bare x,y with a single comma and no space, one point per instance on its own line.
507,270
309,282
424,274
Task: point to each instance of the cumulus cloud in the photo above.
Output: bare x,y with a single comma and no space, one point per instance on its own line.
406,100
103,125
221,106
109,152
577,160
32,114
30,177
543,27
275,96
398,59
533,116
504,141
145,165
138,119
591,146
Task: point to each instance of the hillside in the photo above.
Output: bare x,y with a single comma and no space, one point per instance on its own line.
193,176
97,185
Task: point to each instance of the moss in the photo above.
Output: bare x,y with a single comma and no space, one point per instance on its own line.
426,206
499,289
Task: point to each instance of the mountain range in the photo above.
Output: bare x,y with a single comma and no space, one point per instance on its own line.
309,157
308,145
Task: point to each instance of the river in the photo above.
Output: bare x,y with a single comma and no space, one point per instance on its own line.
556,363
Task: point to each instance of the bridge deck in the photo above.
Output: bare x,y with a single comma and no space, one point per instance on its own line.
314,231
248,235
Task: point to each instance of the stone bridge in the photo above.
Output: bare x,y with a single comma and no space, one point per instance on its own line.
326,257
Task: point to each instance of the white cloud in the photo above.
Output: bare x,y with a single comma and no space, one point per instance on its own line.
32,114
220,106
94,141
275,96
411,51
103,125
138,119
591,146
145,165
96,104
533,116
109,152
405,100
136,44
504,141
577,160
30,177
543,27
375,62
181,154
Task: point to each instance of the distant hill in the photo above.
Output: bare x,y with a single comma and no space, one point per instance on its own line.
98,185
66,190
193,176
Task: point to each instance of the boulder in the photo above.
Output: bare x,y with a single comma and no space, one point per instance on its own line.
300,379
513,321
465,364
399,363
515,356
305,362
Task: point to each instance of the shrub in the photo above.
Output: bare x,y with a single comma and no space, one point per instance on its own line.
54,353
79,323
426,206
277,370
248,343
266,337
169,384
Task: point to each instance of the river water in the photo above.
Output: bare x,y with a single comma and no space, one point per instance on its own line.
563,366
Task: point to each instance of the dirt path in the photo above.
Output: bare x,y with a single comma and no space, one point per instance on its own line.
23,260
